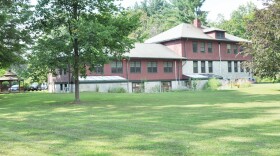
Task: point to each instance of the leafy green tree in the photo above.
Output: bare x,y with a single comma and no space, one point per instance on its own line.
2,72
186,11
239,18
160,15
80,33
14,32
152,7
265,40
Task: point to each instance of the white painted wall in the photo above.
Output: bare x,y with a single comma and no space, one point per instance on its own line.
188,69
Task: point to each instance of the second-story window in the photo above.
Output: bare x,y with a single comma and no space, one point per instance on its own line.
194,45
235,66
98,69
116,67
235,51
202,47
135,67
229,67
152,67
210,49
168,67
228,48
210,66
220,35
202,66
195,67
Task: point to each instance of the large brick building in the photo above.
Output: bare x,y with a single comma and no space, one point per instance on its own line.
166,61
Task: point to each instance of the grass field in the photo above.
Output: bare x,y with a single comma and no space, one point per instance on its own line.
233,122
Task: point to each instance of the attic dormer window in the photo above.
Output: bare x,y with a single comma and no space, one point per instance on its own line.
220,35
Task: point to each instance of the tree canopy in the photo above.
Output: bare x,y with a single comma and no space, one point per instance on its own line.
14,32
160,15
80,33
265,40
239,18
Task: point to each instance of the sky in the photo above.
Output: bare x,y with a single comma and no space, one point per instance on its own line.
215,7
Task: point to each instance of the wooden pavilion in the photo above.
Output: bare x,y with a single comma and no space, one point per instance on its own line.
9,77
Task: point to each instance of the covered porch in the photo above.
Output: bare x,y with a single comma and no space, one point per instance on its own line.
8,80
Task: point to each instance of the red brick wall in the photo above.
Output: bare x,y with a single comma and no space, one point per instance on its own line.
176,46
144,75
215,51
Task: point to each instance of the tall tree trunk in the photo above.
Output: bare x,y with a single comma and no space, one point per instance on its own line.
76,71
76,57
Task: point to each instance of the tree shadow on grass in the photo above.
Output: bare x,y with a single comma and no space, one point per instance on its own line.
192,123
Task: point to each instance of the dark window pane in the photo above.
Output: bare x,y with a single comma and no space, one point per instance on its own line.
195,67
210,47
168,67
116,67
202,66
235,66
194,47
202,47
210,66
229,66
152,67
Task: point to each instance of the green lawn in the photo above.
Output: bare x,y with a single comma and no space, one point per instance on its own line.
233,122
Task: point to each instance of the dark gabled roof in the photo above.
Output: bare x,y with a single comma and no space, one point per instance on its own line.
152,51
190,31
9,73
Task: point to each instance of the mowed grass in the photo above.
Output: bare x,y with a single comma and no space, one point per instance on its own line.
233,122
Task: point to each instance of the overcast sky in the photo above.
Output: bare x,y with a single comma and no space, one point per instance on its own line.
215,7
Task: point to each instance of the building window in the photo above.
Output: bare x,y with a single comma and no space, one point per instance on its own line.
195,67
220,35
228,48
168,67
241,67
210,48
98,69
61,87
152,67
194,45
235,67
235,51
241,49
202,47
116,67
202,66
210,66
229,66
64,71
60,71
135,67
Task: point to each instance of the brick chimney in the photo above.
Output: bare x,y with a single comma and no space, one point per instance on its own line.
197,23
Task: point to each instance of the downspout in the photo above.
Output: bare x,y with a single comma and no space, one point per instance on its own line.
220,58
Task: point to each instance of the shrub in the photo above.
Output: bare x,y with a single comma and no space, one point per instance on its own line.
194,84
117,90
155,89
212,84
